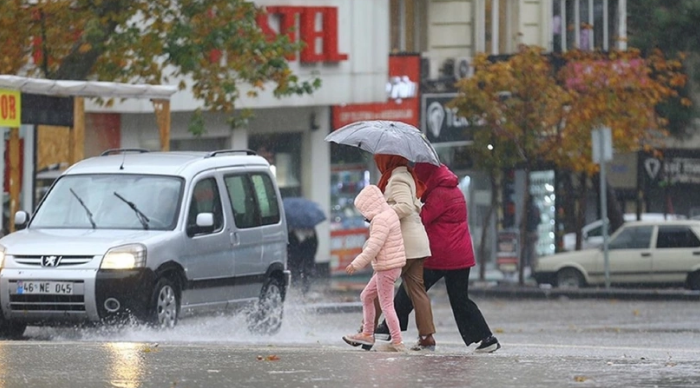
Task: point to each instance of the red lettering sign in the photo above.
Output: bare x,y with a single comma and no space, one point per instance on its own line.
307,32
8,107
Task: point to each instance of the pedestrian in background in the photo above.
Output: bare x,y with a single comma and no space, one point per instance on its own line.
534,218
384,249
301,256
444,215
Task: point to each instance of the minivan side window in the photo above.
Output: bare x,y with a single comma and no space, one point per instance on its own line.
241,196
267,198
205,199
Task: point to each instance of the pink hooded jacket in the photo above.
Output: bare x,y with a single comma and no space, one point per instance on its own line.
384,247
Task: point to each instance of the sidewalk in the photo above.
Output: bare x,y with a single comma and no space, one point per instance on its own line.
342,293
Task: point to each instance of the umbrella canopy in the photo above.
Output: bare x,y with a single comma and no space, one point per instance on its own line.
302,213
387,137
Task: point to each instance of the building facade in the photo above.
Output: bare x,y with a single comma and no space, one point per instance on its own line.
348,51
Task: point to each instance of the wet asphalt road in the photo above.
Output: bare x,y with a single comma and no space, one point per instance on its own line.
555,343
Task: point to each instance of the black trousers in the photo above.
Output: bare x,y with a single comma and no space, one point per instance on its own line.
470,322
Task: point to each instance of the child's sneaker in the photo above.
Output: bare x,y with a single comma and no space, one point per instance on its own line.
359,339
488,345
398,347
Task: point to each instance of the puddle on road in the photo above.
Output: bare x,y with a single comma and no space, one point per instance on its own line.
300,326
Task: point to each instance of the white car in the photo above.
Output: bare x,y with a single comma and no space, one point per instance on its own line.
592,234
640,253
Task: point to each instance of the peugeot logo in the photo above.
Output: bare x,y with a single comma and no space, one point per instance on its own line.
50,261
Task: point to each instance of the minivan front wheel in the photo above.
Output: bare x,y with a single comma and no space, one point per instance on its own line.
165,304
267,312
11,330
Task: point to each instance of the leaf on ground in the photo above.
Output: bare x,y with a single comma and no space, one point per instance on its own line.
580,379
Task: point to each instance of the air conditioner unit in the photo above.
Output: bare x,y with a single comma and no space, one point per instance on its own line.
463,67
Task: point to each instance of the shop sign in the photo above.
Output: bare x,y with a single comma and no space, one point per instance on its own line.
345,246
579,75
47,110
10,108
442,124
285,22
507,255
673,169
402,102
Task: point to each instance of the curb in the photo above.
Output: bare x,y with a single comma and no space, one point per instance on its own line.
525,292
596,293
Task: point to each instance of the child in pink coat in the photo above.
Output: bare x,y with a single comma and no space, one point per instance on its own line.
385,250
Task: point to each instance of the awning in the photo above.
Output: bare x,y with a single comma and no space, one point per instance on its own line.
86,88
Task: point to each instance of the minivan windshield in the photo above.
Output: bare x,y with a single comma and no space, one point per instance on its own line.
111,201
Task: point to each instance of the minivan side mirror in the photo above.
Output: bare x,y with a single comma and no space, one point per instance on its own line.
205,220
21,220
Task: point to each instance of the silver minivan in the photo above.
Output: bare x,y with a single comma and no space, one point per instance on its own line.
152,236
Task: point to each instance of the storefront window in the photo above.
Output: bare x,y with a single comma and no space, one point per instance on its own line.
542,192
283,152
350,172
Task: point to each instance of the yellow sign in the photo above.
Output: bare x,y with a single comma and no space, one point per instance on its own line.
10,108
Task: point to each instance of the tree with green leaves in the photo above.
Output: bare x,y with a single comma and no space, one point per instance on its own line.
214,47
670,26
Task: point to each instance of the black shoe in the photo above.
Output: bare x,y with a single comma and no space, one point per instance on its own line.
382,332
488,345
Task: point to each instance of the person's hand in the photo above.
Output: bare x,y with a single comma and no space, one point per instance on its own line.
350,269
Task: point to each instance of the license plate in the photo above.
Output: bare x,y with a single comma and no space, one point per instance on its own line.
47,288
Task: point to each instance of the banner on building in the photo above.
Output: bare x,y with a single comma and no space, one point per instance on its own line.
442,124
402,96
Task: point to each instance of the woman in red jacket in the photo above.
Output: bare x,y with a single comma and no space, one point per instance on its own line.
444,215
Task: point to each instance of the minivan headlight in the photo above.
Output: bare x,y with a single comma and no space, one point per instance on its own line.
2,256
125,257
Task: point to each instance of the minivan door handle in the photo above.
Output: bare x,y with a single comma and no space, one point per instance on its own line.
696,253
235,240
645,254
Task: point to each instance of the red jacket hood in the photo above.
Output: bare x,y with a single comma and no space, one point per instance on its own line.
434,176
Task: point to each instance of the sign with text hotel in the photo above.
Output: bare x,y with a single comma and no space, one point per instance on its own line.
402,92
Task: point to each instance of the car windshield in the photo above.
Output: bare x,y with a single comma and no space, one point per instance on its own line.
111,201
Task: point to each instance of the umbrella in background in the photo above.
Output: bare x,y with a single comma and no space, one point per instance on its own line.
302,213
387,137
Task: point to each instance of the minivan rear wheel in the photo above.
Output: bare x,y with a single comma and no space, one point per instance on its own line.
570,278
267,312
165,304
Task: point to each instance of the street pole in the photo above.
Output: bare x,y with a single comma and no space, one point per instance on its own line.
602,151
604,216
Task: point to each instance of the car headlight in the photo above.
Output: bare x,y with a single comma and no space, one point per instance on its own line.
125,257
2,256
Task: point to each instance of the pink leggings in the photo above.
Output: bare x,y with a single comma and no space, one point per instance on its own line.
382,285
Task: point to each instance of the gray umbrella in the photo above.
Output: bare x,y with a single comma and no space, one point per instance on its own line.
387,137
